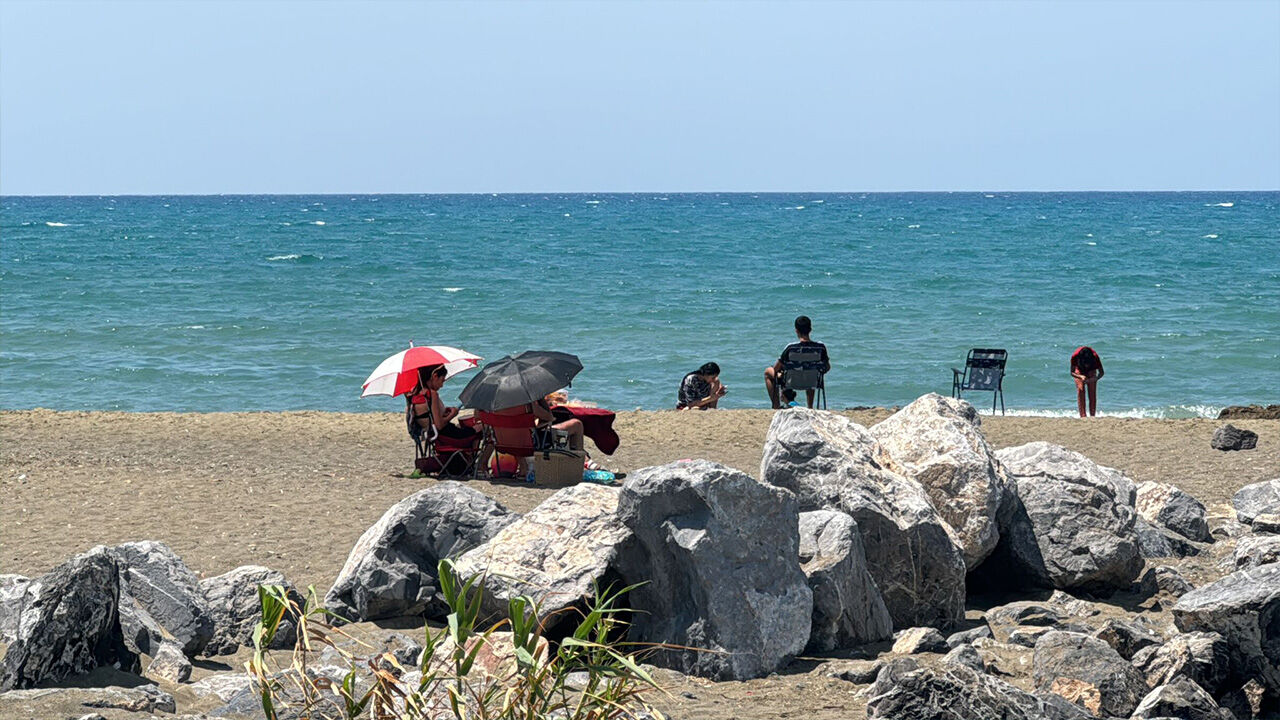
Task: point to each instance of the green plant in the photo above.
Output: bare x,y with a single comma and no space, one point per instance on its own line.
520,678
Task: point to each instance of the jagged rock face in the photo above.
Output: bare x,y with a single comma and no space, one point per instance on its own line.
1230,437
1254,550
1244,608
1182,699
236,609
391,571
957,691
832,463
1158,542
13,598
1088,672
847,607
169,664
1164,579
160,600
1257,499
936,442
919,640
1127,637
555,554
1199,656
719,552
1165,505
68,624
1047,461
1067,531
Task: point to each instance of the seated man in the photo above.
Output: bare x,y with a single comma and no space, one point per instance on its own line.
774,378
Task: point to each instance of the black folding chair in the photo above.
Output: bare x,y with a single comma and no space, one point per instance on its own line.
803,370
983,370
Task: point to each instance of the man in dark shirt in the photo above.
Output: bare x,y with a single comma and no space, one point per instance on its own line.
773,375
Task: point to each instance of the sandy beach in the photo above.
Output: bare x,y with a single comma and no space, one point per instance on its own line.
293,491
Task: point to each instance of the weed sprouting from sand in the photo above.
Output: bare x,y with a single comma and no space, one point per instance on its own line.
503,671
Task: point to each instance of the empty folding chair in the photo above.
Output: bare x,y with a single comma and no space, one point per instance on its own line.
983,370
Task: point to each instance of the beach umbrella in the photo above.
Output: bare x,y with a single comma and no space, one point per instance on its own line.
519,379
398,374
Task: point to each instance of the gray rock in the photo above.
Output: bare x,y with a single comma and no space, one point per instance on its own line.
68,624
1126,637
1230,437
1254,550
1200,656
936,442
830,462
1084,669
1024,612
858,672
391,571
966,637
236,609
92,716
1045,461
1164,579
847,607
919,640
1227,528
1244,608
160,599
966,656
1004,659
1268,523
143,698
13,598
1029,635
169,664
1165,505
1157,542
1068,535
223,686
957,691
719,551
1257,499
556,554
1181,699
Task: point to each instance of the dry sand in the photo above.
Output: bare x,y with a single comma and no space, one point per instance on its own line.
293,491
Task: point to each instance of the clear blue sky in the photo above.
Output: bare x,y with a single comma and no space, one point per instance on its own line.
302,97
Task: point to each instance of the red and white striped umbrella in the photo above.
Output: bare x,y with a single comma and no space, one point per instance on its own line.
398,374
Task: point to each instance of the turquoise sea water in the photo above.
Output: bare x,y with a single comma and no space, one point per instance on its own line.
287,302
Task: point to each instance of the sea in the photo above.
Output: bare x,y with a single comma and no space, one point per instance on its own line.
288,302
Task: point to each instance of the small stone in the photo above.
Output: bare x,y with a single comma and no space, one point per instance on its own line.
1164,579
1230,437
919,640
858,672
169,664
967,656
1267,523
966,637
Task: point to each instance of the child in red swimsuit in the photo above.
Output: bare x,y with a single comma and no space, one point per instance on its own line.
1086,369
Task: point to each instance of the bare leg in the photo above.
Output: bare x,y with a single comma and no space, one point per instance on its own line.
771,384
574,428
808,396
1093,396
1080,395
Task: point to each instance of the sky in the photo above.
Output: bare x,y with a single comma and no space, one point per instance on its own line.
373,97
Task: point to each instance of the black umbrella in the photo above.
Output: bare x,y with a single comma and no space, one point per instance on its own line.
519,379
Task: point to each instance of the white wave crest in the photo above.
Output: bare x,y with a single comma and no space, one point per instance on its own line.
55,224
1158,413
317,222
909,227
1090,244
451,290
1210,237
275,258
593,202
1222,204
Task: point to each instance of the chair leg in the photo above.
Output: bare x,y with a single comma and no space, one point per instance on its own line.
1001,402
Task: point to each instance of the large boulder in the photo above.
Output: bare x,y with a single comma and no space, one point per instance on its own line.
1071,528
1201,656
556,554
1087,671
1181,699
1166,505
847,607
236,609
68,624
1047,461
1244,608
391,571
1230,437
13,598
718,551
1260,498
830,462
936,442
160,600
954,691
1254,550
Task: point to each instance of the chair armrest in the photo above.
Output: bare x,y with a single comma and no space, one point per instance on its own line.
957,372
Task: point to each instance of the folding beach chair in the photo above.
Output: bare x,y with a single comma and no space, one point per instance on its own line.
440,455
803,370
515,431
983,370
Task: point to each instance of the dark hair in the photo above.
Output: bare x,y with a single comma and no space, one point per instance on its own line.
803,325
788,394
425,373
709,369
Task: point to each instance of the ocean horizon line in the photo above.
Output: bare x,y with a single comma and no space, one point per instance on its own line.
535,193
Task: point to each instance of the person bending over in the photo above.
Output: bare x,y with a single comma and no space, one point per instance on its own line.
774,378
701,389
1086,370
